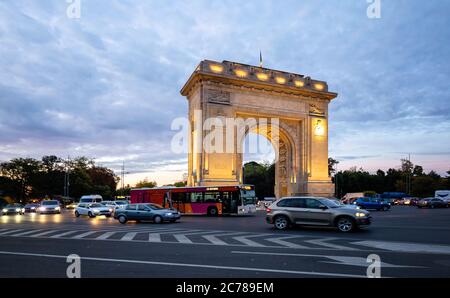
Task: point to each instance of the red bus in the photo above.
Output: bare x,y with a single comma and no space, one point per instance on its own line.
210,200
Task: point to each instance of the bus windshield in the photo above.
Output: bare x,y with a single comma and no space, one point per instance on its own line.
248,197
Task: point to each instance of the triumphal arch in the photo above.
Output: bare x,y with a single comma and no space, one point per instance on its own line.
291,110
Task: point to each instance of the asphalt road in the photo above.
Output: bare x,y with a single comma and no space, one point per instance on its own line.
410,242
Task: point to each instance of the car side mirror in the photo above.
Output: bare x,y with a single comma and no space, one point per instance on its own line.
323,207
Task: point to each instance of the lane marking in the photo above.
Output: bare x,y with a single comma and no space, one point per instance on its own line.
64,234
213,267
323,242
25,233
406,247
156,237
339,260
246,241
79,236
10,232
182,238
128,236
43,233
281,241
216,241
105,236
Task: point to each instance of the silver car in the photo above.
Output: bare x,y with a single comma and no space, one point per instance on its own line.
313,211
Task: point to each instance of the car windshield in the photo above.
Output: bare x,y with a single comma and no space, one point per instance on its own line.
13,205
47,203
96,205
331,203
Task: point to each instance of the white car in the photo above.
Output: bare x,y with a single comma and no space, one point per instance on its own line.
115,204
93,210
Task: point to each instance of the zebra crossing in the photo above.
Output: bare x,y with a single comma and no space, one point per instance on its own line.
175,235
180,236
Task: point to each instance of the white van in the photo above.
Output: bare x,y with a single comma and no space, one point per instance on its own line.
443,195
91,199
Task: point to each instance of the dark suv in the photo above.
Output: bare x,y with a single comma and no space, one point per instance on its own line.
315,211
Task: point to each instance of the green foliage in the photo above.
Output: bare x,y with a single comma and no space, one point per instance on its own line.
332,163
23,178
146,184
422,184
262,176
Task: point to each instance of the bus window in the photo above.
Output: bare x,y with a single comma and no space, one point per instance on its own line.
212,197
248,197
179,197
196,197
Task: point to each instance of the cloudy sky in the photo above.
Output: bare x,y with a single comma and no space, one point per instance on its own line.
107,85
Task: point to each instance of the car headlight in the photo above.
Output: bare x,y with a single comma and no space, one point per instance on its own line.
360,214
110,210
18,209
23,209
169,213
42,209
5,210
32,208
58,208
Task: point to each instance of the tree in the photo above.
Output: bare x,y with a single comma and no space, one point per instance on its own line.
23,171
262,176
180,184
422,186
332,163
418,170
146,184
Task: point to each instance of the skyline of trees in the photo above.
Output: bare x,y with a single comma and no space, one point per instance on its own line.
23,178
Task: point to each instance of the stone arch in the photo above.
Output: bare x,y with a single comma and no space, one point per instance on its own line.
283,144
232,90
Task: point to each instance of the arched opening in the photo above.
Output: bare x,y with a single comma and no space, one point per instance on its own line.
259,164
272,144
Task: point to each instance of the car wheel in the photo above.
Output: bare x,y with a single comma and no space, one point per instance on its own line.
212,211
91,215
122,219
108,216
385,208
157,219
281,222
345,224
77,214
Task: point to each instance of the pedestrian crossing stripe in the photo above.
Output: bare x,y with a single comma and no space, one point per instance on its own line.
227,238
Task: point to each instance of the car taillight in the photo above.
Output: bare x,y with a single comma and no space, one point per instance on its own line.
268,210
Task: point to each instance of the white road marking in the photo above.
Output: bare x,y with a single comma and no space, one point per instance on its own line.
213,267
10,232
154,237
323,242
43,233
84,235
128,236
407,247
362,262
246,241
182,238
64,234
214,240
340,260
25,233
105,236
281,241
